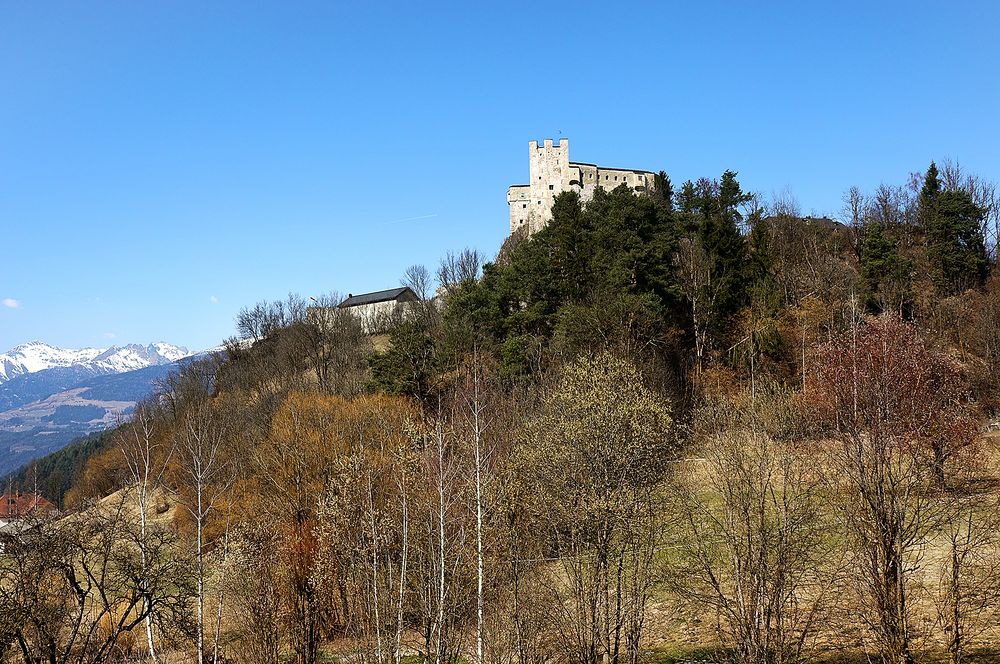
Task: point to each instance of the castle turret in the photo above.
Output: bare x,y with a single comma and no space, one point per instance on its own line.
551,173
548,175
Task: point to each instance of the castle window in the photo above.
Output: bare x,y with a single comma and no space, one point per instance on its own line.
550,187
524,205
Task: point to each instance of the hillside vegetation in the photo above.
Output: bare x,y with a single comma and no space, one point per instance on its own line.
690,425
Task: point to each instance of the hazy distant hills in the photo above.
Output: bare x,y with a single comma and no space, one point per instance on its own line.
50,396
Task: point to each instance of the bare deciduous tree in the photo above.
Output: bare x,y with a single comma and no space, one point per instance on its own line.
73,590
458,269
753,546
695,275
877,389
254,587
968,600
418,279
204,477
264,318
594,459
146,461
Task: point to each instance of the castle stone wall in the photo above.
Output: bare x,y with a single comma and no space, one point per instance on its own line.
550,173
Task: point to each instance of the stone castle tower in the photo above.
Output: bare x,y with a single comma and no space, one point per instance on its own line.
550,172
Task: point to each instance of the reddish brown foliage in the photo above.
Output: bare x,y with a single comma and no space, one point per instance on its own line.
880,379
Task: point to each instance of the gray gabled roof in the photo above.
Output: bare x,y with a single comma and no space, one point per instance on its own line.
377,296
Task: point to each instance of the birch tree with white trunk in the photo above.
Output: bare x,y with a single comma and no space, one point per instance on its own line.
206,476
146,463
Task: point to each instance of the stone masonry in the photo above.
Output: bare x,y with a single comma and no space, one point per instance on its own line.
551,172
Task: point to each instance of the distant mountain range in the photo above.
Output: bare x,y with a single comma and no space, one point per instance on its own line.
50,396
37,356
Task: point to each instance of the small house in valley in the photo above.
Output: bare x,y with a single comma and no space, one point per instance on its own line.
15,506
19,511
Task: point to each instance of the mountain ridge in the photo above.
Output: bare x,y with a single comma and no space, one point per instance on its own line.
37,423
50,395
37,356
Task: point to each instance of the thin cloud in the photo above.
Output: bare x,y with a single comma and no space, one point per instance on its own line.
11,303
213,300
110,335
406,219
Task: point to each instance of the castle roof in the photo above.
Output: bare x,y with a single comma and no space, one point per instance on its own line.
611,168
825,223
378,296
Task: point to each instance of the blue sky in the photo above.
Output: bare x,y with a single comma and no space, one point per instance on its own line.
164,164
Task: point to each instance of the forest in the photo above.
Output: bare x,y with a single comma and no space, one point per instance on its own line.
688,425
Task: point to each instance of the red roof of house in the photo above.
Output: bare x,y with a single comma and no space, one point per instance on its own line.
16,505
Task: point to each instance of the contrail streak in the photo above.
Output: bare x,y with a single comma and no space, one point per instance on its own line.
405,219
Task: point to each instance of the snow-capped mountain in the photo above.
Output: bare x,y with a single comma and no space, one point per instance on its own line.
133,356
38,356
50,396
42,411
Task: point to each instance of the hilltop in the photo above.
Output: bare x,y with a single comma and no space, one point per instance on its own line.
667,423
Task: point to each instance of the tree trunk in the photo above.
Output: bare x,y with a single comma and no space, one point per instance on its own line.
479,528
402,573
201,580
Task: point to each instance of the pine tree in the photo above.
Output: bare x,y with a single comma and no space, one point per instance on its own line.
931,188
731,195
687,198
721,237
927,203
956,248
885,275
663,191
952,223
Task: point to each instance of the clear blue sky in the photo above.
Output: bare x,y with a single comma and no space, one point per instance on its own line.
163,164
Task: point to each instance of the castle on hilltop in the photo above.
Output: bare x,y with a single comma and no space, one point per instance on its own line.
551,172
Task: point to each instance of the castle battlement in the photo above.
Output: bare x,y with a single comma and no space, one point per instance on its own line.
548,144
550,172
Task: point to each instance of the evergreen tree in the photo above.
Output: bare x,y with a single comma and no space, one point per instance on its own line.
633,240
927,202
956,247
952,224
663,191
731,195
618,247
407,366
687,199
720,235
568,243
760,261
931,188
885,275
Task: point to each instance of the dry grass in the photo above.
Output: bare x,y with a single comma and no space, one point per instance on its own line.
678,633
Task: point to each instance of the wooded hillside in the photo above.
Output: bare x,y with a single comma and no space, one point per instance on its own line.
693,425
